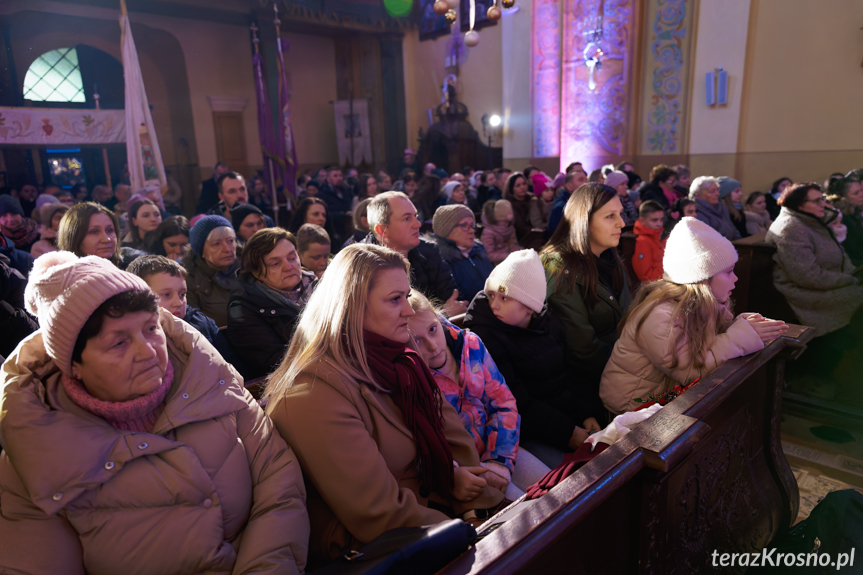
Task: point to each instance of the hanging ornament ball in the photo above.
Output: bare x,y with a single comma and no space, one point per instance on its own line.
493,13
440,7
507,3
471,39
450,15
452,3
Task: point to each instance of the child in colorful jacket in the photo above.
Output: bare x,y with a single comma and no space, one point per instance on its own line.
471,382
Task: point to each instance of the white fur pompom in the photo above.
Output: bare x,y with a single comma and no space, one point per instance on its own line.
42,268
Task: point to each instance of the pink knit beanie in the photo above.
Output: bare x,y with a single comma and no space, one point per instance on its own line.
63,292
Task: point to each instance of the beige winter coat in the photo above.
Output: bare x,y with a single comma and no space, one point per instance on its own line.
211,490
641,365
359,460
757,223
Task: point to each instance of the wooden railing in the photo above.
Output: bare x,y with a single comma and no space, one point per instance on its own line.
705,473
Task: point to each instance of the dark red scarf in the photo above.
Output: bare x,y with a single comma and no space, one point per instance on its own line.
402,371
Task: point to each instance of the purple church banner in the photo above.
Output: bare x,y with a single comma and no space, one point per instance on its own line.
594,122
545,77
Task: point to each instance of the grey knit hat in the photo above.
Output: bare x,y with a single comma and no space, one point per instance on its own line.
447,217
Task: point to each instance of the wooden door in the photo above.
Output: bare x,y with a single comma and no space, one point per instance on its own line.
231,141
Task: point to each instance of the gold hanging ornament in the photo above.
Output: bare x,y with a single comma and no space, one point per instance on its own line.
450,15
493,13
440,7
507,3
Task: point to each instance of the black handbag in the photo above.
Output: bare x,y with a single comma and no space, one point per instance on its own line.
415,550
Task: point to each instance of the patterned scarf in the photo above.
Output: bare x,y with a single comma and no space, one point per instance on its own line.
25,235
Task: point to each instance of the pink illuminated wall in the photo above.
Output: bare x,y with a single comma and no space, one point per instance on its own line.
593,123
545,77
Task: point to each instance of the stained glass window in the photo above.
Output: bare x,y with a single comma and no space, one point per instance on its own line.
55,77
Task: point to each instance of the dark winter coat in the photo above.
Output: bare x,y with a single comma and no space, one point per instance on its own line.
469,272
260,326
552,397
557,210
654,192
590,330
429,272
209,288
209,196
853,243
521,216
208,328
338,201
19,260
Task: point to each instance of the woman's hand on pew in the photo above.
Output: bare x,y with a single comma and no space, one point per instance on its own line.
496,481
766,329
468,483
579,436
592,425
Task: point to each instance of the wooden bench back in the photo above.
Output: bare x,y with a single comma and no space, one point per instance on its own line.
705,473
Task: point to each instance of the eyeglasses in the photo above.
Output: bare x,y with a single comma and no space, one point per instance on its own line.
820,200
467,227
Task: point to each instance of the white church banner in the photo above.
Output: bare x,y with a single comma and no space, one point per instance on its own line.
48,126
353,135
142,151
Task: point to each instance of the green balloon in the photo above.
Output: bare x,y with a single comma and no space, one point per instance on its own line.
398,8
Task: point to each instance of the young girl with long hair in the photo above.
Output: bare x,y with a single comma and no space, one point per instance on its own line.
470,381
680,328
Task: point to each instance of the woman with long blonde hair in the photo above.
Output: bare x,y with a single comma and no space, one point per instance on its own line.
681,328
372,432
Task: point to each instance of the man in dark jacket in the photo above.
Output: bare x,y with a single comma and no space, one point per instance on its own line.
232,192
339,199
393,220
210,189
574,179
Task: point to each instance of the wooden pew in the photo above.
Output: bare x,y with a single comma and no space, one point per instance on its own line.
705,473
755,290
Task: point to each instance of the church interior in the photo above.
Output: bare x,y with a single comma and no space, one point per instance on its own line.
314,106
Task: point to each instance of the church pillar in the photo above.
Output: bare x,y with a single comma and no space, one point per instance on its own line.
665,101
713,130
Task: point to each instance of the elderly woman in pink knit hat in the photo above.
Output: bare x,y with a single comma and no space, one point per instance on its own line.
130,445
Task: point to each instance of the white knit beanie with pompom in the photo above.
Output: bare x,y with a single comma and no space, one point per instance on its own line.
63,292
696,252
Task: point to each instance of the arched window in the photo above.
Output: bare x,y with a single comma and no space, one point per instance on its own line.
55,77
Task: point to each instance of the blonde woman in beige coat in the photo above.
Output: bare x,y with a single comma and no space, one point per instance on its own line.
342,401
681,328
130,446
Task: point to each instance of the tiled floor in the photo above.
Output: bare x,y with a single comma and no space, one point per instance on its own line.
821,466
814,485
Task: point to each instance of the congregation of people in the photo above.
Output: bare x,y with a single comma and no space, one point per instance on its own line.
429,345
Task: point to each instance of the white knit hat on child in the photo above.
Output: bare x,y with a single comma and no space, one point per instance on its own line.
520,277
696,252
64,290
